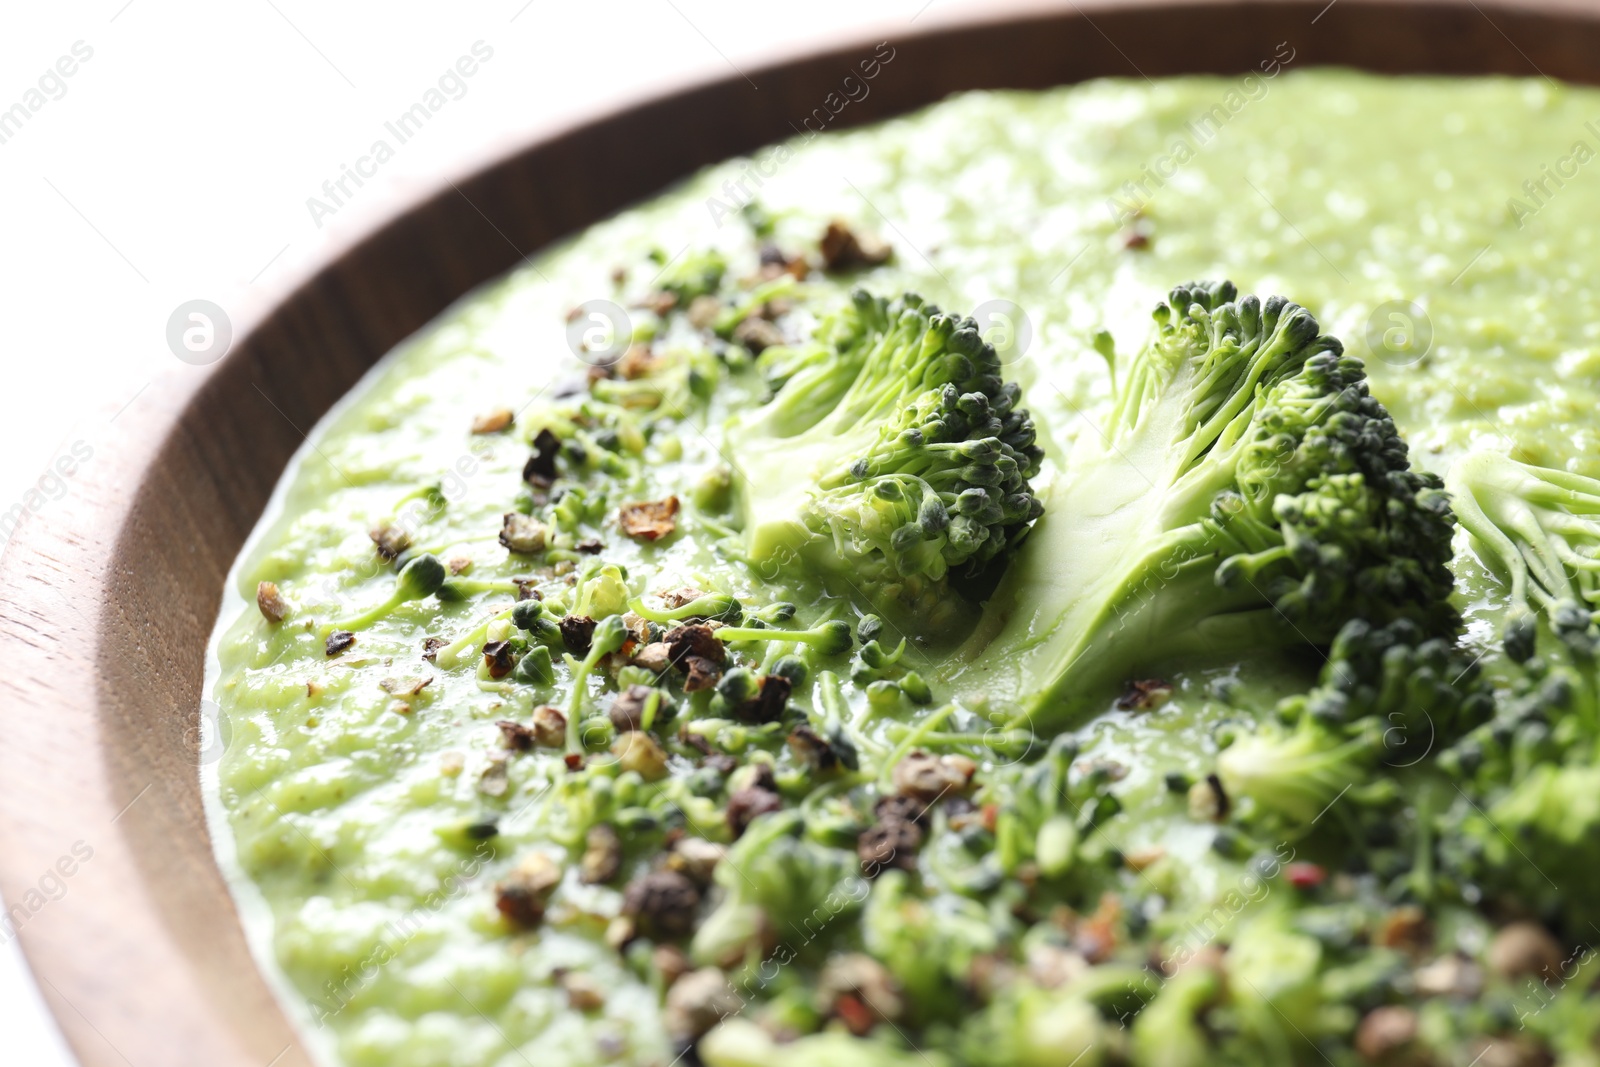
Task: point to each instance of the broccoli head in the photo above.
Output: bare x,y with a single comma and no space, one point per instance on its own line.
1386,698
1535,842
1525,827
1245,493
1293,773
1419,690
891,447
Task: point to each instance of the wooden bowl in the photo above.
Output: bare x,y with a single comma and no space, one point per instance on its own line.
108,596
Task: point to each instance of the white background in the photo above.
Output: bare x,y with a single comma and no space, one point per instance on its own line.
177,163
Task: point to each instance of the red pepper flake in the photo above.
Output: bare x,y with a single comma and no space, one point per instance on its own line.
649,520
856,1016
574,761
1305,875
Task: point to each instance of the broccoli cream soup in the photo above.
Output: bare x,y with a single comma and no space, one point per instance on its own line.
1103,576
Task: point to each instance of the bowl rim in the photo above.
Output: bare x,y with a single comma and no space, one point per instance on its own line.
64,566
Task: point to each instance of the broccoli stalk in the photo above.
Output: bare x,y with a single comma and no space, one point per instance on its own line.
1244,494
1539,531
891,450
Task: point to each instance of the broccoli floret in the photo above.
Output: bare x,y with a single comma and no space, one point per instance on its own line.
891,448
1294,773
1045,812
1540,837
1419,692
738,1042
929,945
1386,697
1027,1026
775,882
673,384
1526,825
1246,493
1167,1033
688,275
1539,531
1271,976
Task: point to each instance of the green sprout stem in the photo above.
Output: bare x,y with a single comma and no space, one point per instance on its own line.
420,578
830,638
448,657
461,588
708,606
609,636
912,740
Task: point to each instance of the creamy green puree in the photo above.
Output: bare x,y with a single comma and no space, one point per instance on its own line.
1441,227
